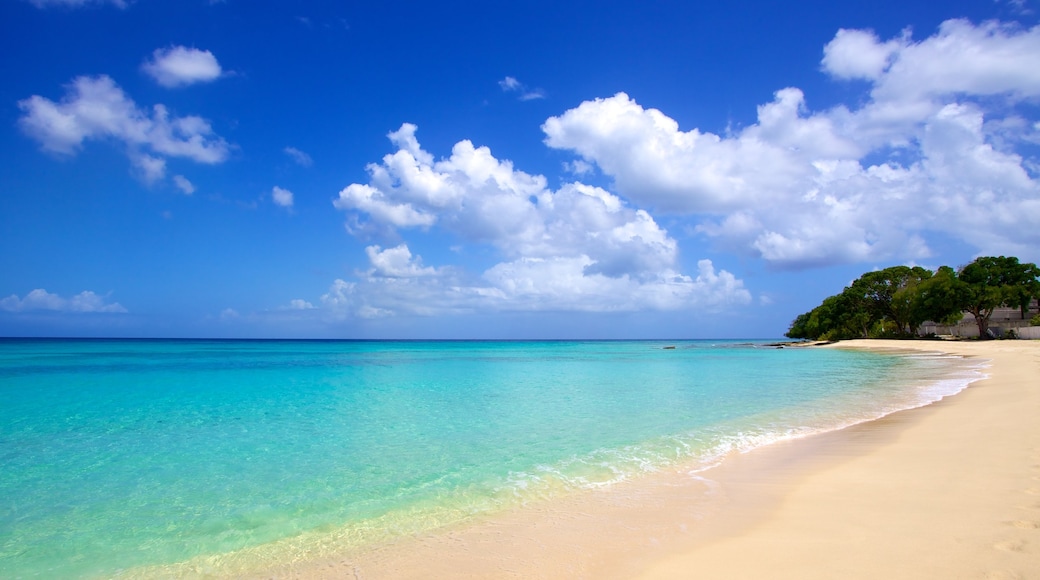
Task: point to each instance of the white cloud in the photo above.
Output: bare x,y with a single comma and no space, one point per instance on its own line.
298,156
299,304
282,197
151,168
483,199
179,66
565,283
96,108
396,263
532,95
525,284
940,128
858,54
40,299
183,184
511,85
988,59
577,248
578,167
370,200
654,163
797,188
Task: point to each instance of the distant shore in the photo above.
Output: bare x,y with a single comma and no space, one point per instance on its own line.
950,490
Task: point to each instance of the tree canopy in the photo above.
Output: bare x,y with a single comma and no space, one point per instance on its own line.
897,300
994,282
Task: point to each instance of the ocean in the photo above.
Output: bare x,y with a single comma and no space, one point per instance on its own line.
133,457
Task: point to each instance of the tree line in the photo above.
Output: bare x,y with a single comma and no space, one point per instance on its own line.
894,302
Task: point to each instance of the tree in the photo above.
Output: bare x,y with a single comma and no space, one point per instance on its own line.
834,319
1025,287
994,282
940,298
898,299
844,317
858,316
799,327
889,295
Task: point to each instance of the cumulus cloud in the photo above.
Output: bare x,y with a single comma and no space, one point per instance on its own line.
40,299
858,54
656,164
579,247
941,128
396,263
96,108
962,58
298,156
911,161
282,197
180,66
526,285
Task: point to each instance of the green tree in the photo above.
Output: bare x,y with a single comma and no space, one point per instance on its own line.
889,294
849,318
940,298
897,300
839,316
992,282
858,315
825,321
1025,286
799,327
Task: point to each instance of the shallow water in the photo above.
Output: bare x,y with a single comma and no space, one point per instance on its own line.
117,455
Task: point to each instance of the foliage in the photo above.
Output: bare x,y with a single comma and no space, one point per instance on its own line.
1035,321
895,301
994,282
941,297
889,295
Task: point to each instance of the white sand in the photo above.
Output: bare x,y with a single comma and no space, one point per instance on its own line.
947,491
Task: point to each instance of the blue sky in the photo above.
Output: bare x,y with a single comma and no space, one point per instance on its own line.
473,170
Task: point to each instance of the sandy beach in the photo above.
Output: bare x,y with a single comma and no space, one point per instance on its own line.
950,490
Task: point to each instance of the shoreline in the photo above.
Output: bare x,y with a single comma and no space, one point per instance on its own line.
948,490
809,507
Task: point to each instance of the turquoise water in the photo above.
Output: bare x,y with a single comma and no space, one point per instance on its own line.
117,455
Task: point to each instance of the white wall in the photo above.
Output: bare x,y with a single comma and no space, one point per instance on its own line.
1031,332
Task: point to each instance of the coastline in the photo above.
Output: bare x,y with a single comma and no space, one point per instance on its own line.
951,489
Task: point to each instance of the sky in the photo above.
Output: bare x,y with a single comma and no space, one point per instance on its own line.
556,170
